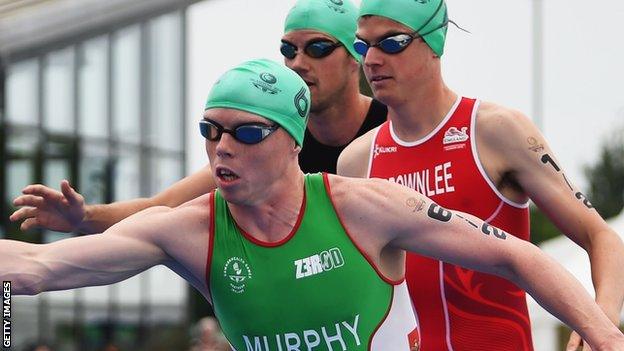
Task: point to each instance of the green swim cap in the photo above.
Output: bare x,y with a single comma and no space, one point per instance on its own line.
337,18
427,17
268,89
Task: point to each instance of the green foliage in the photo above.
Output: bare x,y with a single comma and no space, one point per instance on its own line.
606,177
542,228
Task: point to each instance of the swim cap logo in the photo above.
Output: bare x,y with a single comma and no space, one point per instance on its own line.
336,5
265,83
423,2
268,77
237,271
301,102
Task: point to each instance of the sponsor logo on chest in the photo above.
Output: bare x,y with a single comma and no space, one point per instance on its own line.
454,135
319,263
378,150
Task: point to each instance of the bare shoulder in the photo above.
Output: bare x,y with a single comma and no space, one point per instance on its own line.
371,197
353,161
508,142
348,187
500,125
195,212
377,211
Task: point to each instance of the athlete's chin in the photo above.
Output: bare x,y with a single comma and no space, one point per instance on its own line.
319,105
314,93
231,193
233,197
383,95
387,95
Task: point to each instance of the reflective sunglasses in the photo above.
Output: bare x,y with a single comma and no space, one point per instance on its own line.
314,48
390,45
246,133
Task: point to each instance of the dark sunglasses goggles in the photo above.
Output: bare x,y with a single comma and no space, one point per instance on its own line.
246,133
314,49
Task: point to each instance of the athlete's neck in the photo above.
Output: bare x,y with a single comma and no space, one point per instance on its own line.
419,116
273,218
338,124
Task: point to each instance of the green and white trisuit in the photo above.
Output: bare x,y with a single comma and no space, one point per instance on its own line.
314,290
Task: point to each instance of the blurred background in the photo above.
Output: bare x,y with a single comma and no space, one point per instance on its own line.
106,93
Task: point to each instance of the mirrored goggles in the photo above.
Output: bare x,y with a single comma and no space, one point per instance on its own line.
246,133
390,45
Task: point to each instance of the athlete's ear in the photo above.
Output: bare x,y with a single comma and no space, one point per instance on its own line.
297,148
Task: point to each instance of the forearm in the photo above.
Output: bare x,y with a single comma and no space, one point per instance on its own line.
607,260
80,261
562,295
98,218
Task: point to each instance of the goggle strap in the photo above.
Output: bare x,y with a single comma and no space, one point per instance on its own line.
458,27
431,18
442,25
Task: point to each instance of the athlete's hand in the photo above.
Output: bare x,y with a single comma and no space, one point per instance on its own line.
44,207
576,343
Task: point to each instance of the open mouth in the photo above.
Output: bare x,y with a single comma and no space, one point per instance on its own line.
379,78
226,175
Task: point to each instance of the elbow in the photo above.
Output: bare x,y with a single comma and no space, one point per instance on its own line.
26,278
514,264
601,242
507,270
23,284
523,265
30,291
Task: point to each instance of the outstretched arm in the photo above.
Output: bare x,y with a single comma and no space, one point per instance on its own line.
65,211
526,154
405,219
130,248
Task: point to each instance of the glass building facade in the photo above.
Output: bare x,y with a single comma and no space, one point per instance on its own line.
105,110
